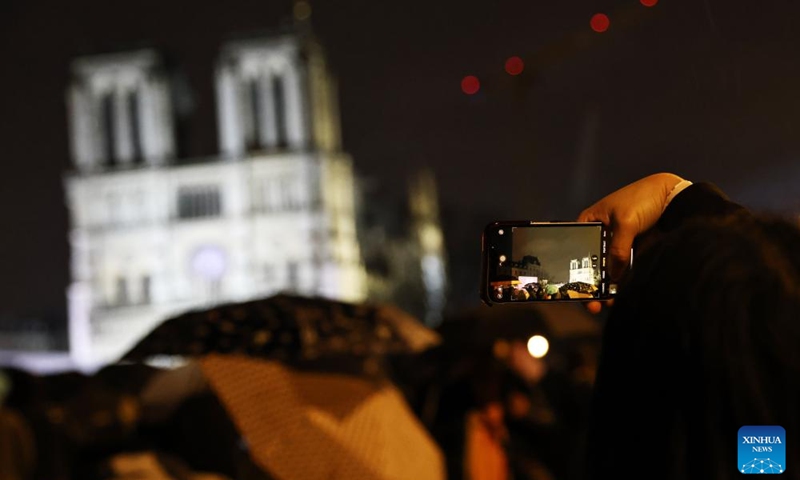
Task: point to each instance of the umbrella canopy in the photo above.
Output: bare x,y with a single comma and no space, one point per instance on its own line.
293,329
322,426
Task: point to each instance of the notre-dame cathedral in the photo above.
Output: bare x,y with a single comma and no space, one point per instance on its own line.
153,235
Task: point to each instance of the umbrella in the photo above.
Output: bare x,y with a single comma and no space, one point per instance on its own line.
297,330
270,363
322,426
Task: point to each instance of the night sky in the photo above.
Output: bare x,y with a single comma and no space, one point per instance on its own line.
709,89
555,247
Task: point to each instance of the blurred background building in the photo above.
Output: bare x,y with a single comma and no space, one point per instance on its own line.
403,247
153,234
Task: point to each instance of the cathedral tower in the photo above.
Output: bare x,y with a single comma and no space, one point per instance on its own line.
152,237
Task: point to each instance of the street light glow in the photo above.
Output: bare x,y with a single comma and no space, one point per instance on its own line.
538,346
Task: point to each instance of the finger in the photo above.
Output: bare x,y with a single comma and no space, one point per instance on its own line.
597,306
592,215
586,216
594,307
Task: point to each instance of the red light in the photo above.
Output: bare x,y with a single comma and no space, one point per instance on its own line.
600,22
514,66
648,3
470,85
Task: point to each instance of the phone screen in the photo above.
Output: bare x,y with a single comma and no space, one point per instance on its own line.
525,261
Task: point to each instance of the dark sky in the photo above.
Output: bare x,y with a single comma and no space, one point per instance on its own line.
555,247
706,88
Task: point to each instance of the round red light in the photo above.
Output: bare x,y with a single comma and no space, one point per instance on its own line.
648,3
514,66
600,22
470,85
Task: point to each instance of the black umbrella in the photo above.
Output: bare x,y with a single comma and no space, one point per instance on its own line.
300,331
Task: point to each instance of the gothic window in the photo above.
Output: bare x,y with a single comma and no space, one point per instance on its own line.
254,115
107,124
286,194
573,264
199,202
277,195
133,120
278,92
585,263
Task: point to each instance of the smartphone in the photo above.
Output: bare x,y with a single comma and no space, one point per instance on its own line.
525,261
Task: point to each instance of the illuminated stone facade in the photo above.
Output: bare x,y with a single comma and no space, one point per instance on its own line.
153,235
581,270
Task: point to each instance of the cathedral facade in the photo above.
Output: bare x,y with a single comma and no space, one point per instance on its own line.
582,270
153,235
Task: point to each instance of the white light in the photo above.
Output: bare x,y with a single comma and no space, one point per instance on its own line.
502,258
538,346
501,231
209,262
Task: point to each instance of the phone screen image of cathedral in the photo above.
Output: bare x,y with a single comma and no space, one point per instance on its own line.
548,263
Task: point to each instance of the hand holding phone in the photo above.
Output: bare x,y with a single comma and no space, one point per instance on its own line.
527,261
629,212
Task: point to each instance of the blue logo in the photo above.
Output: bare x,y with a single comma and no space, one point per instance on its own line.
762,449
